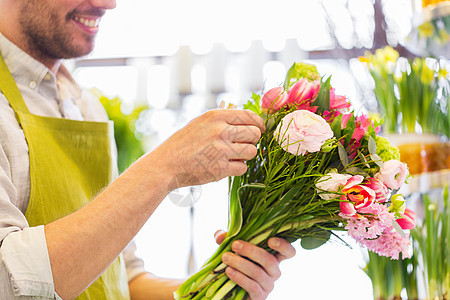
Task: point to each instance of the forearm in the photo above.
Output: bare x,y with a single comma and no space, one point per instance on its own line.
82,245
148,287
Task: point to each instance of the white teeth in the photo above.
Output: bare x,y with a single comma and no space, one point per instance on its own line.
92,23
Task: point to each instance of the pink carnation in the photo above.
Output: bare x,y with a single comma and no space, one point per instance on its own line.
389,244
302,131
370,222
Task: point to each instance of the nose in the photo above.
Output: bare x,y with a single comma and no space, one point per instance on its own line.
105,4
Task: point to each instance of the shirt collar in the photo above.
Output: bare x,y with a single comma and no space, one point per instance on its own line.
29,72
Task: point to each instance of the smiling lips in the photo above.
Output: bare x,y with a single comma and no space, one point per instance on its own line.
89,24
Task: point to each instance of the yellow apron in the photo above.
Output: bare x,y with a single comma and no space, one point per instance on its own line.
70,163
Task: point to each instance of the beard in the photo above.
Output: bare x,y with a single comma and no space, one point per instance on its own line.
52,34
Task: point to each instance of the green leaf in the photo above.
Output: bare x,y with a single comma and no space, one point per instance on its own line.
318,240
322,100
306,217
336,126
254,105
289,195
343,156
298,71
372,145
363,159
377,159
235,217
349,129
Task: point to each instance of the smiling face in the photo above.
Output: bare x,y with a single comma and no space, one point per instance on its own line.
60,29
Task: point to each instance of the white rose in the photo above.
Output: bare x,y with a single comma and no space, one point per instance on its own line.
331,183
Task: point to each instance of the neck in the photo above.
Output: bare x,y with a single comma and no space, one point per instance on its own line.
51,63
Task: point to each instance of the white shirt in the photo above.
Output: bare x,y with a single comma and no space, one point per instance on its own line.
25,271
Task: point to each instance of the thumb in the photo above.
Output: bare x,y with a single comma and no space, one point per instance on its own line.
220,235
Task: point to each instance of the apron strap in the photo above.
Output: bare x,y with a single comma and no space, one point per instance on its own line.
9,88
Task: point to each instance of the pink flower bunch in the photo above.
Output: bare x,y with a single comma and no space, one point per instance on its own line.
302,94
370,223
369,219
389,244
364,205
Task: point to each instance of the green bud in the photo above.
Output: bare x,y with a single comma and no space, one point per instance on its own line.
328,145
398,204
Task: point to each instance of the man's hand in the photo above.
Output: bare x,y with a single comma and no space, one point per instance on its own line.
212,146
253,268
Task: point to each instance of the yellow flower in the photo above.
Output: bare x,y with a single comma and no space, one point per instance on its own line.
442,73
426,30
427,75
390,54
364,59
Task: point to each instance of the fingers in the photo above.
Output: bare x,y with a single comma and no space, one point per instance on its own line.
252,268
258,255
253,288
284,248
241,134
255,269
244,117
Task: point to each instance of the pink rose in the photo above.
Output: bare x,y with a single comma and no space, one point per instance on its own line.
331,182
303,93
393,174
302,131
274,99
408,220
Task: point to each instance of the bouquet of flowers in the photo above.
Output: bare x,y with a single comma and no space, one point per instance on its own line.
319,168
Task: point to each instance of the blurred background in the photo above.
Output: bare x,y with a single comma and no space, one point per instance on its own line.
158,65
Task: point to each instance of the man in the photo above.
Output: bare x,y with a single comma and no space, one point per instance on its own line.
55,156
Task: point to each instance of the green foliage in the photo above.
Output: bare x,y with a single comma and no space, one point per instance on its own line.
254,105
298,71
410,93
430,262
389,277
313,242
386,150
432,241
322,100
129,144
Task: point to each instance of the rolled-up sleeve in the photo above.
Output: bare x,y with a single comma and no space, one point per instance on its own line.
26,264
25,271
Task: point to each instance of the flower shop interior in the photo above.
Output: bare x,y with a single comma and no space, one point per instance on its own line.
163,67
